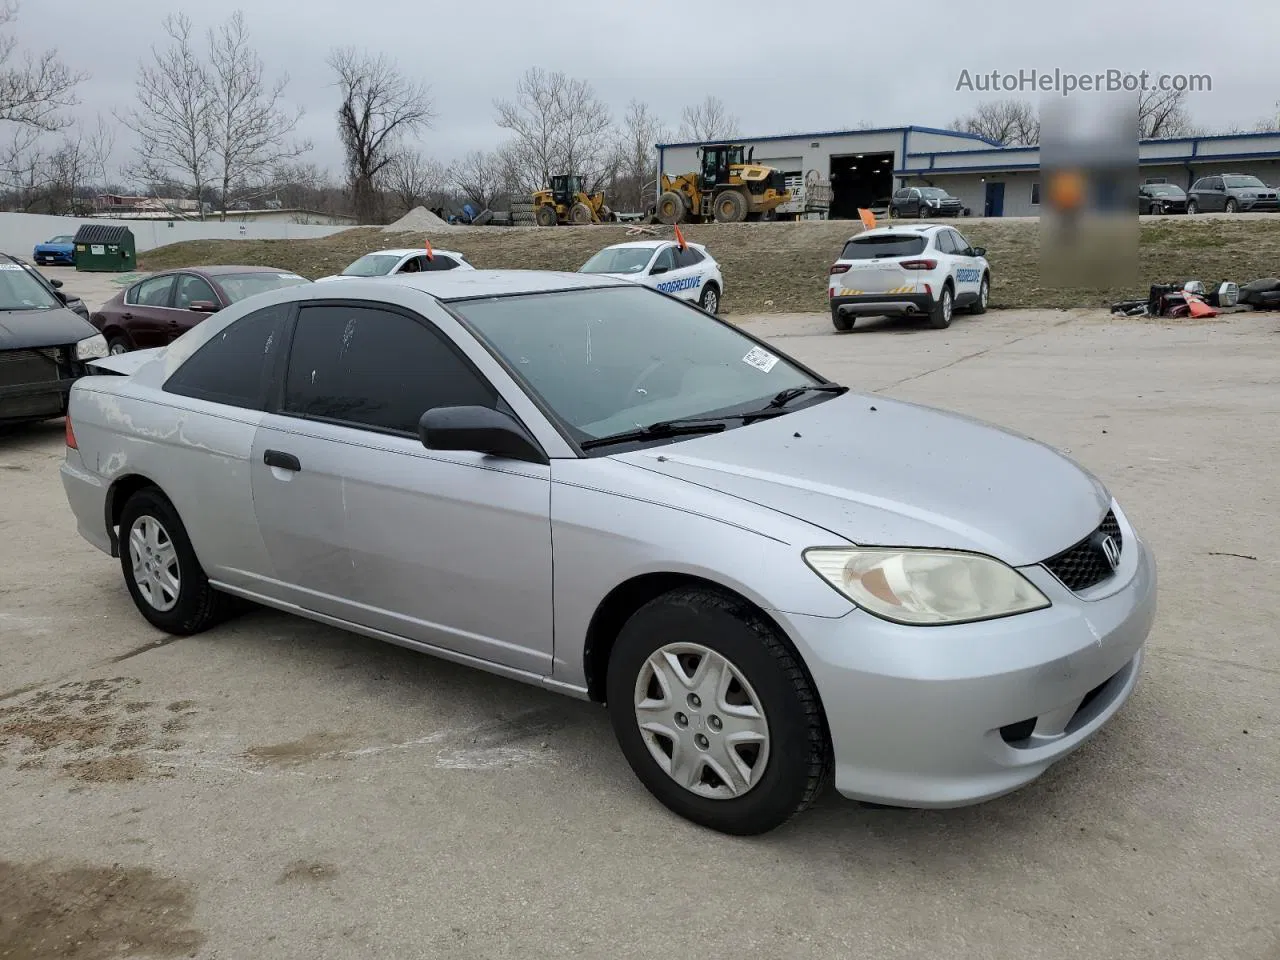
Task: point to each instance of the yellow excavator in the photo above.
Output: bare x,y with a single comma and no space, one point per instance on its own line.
567,201
728,187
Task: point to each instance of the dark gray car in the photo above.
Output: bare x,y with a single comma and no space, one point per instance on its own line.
924,202
1231,193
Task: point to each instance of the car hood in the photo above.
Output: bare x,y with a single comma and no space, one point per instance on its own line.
20,329
884,472
55,246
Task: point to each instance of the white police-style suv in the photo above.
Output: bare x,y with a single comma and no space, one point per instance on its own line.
690,273
923,269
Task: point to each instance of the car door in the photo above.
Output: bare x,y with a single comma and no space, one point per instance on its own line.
968,267
189,288
685,281
451,549
1216,195
148,311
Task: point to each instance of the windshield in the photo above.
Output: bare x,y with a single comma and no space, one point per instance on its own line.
66,241
1164,190
238,286
618,260
884,245
607,361
1243,182
934,193
19,290
372,265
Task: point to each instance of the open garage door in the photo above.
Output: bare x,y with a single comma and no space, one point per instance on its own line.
860,180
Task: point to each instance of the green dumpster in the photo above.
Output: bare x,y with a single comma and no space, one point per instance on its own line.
105,248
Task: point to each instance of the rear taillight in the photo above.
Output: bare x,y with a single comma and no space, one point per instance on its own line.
838,268
918,264
71,435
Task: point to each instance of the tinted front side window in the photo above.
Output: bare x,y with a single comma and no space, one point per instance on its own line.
234,367
666,258
192,289
375,368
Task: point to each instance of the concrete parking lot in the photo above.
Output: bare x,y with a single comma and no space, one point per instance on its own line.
280,789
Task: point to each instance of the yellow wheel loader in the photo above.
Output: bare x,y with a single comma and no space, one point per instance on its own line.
565,201
727,188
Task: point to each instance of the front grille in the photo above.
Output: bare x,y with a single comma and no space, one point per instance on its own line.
44,365
1085,565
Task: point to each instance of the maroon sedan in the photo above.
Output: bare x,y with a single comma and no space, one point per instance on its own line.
157,310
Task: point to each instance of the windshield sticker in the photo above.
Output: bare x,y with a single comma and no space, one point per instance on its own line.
9,266
761,359
288,276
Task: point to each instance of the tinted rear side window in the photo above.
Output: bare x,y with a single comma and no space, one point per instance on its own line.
889,245
375,368
234,367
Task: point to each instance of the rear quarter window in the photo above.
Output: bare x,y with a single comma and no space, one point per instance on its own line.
886,245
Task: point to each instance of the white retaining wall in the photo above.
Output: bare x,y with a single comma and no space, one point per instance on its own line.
20,232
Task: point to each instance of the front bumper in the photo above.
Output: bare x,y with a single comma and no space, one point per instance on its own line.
27,402
46,257
882,304
1259,205
950,716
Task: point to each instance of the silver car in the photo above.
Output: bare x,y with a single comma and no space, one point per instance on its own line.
581,483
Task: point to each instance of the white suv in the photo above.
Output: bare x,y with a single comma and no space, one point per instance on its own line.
907,271
689,274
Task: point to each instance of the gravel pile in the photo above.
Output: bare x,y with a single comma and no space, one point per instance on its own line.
419,218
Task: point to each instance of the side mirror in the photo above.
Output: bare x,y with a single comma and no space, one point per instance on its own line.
979,251
56,284
203,306
61,296
478,430
658,269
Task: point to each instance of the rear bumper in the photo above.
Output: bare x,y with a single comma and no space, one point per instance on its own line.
87,497
882,304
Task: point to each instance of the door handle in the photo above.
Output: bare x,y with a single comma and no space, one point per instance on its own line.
285,461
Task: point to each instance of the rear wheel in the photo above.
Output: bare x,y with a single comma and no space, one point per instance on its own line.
715,714
580,214
842,321
730,207
545,216
671,207
940,315
160,568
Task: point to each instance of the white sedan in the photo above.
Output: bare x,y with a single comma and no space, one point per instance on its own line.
690,273
384,263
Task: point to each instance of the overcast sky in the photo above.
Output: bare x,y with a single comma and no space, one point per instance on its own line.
780,67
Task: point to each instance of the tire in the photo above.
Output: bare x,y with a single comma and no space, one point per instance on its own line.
118,344
710,299
194,606
940,315
790,763
1232,206
921,212
671,207
893,211
545,216
842,321
580,214
1157,209
1192,207
979,306
730,206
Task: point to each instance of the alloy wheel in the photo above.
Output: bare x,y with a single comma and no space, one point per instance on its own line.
155,563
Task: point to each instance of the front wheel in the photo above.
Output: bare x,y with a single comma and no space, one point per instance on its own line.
984,294
1193,207
710,299
715,714
1232,206
166,581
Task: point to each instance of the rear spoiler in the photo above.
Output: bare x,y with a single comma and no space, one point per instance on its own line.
124,364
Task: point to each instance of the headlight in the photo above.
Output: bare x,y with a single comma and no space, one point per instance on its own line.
925,587
90,348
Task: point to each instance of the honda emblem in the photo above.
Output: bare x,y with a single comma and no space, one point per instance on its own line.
1111,550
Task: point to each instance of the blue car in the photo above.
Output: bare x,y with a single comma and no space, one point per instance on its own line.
56,250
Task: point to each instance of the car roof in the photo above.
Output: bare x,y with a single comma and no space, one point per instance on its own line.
404,251
649,245
467,284
220,270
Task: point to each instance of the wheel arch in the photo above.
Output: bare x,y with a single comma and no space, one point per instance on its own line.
617,607
118,494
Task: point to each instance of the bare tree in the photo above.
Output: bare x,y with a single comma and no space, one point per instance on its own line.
414,179
1270,123
379,107
638,138
78,163
35,89
707,121
24,169
171,121
558,126
1011,123
1163,114
250,128
479,177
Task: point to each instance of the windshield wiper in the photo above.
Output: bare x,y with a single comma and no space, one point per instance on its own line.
663,428
792,393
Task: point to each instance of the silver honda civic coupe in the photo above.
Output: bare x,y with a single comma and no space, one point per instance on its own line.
578,482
